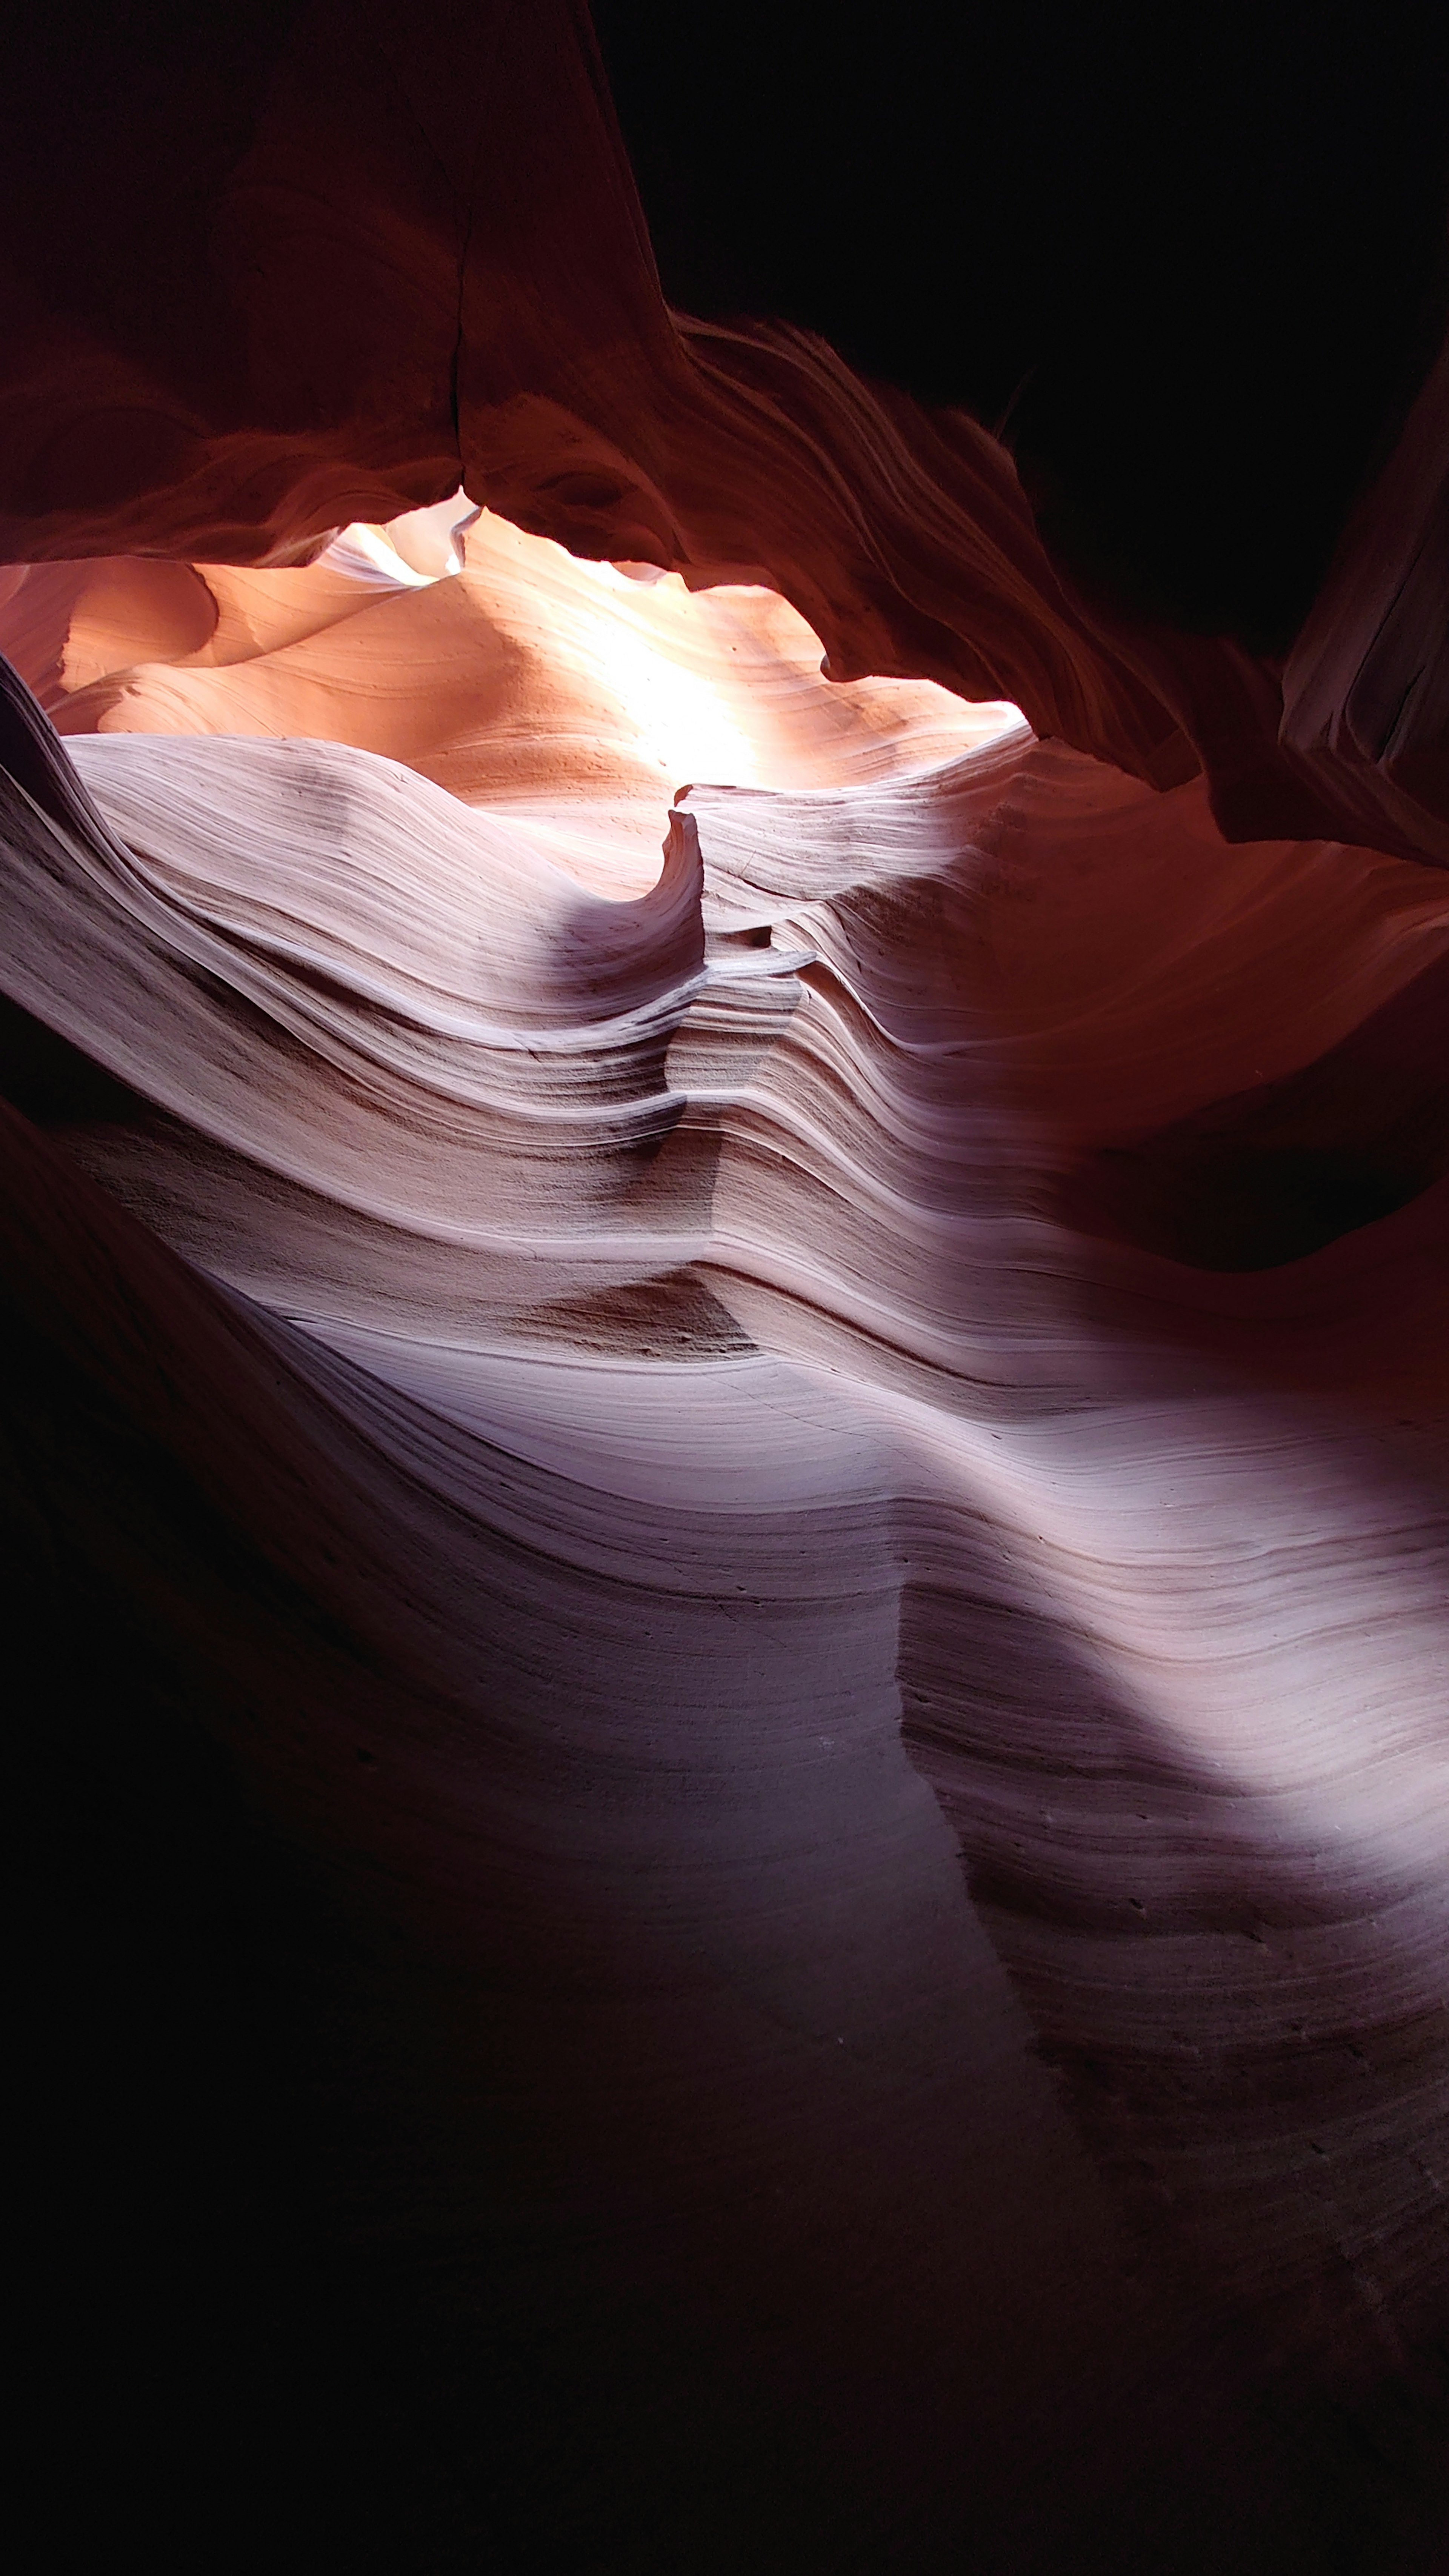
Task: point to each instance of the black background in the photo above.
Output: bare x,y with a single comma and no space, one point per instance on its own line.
1192,257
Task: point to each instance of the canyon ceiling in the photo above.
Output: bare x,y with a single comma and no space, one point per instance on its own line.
724,797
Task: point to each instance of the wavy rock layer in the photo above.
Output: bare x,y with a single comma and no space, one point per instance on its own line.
925,1307
402,248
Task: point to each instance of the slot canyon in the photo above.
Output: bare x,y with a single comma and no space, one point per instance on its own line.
724,1082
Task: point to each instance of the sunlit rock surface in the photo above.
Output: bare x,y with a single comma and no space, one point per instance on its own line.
781,1288
371,275
724,1274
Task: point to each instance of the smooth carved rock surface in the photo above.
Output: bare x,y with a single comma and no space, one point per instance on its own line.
724,1280
908,1333
1366,687
366,280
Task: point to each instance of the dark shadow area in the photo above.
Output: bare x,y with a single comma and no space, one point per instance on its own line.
1158,1941
250,2338
307,1993
52,1083
193,2384
1193,258
1275,1173
335,2090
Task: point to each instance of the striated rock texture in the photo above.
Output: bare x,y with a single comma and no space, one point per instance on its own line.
367,277
635,1410
725,1405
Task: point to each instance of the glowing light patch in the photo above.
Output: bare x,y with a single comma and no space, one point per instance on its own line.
410,553
682,724
368,554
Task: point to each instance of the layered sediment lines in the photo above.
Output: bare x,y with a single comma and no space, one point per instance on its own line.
368,277
906,1328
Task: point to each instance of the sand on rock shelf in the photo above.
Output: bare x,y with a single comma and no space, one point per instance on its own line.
758,1367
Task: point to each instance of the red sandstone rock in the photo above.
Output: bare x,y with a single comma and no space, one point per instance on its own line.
626,1418
391,279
